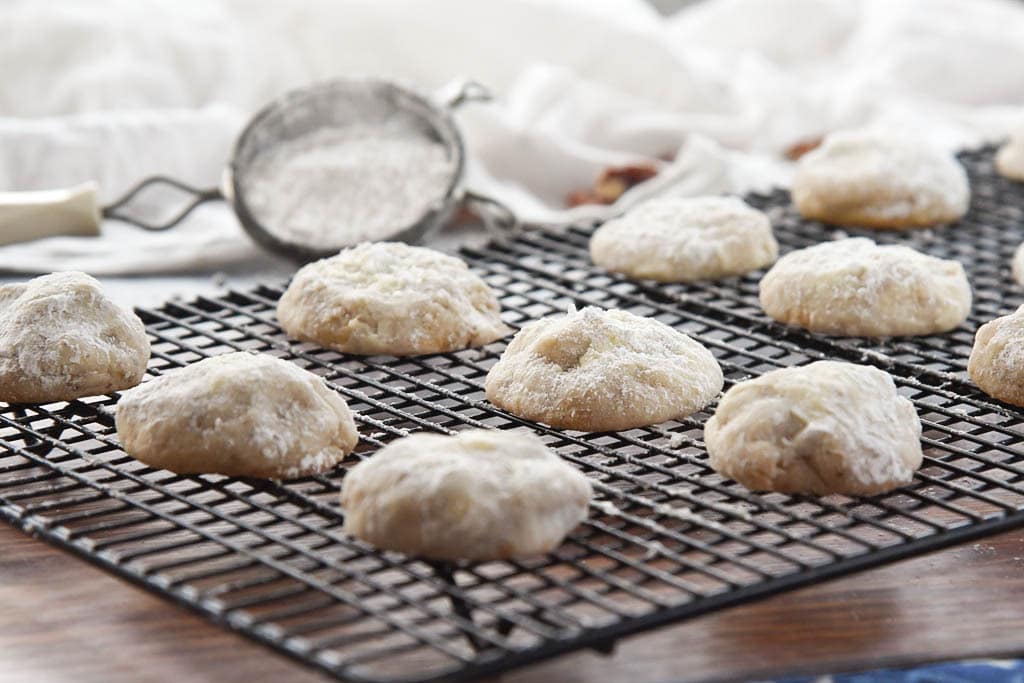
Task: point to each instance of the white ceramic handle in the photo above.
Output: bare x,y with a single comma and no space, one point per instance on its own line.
46,213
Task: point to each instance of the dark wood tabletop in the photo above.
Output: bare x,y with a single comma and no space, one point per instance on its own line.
64,620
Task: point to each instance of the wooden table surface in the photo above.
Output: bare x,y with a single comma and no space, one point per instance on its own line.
62,620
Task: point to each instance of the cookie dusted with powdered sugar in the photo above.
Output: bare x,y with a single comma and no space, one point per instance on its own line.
853,287
240,414
685,239
828,427
996,364
1010,157
870,179
478,495
61,338
391,298
1017,265
595,370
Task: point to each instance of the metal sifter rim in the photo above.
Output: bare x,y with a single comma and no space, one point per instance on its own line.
436,116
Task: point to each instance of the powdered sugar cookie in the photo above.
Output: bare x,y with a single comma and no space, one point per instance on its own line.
863,178
239,414
478,495
996,364
827,427
595,370
61,338
853,287
1017,265
683,239
1010,157
391,298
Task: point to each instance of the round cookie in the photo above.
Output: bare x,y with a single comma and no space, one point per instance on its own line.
853,287
1017,265
863,178
823,428
596,371
479,495
996,364
390,298
61,338
1010,157
240,414
685,239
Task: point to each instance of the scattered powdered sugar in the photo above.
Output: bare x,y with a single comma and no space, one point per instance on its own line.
654,548
679,491
736,510
335,187
686,515
870,355
476,354
606,507
676,441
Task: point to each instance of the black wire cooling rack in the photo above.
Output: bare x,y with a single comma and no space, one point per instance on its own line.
667,538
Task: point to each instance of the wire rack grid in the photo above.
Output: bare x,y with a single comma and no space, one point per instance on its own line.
667,537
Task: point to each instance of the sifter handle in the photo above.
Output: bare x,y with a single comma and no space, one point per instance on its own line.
32,215
75,211
498,219
195,195
453,95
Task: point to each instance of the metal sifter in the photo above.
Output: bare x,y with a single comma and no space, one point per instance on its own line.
344,104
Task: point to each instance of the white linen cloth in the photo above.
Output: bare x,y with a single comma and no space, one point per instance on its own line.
115,90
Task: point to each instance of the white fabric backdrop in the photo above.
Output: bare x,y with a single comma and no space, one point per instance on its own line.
114,90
